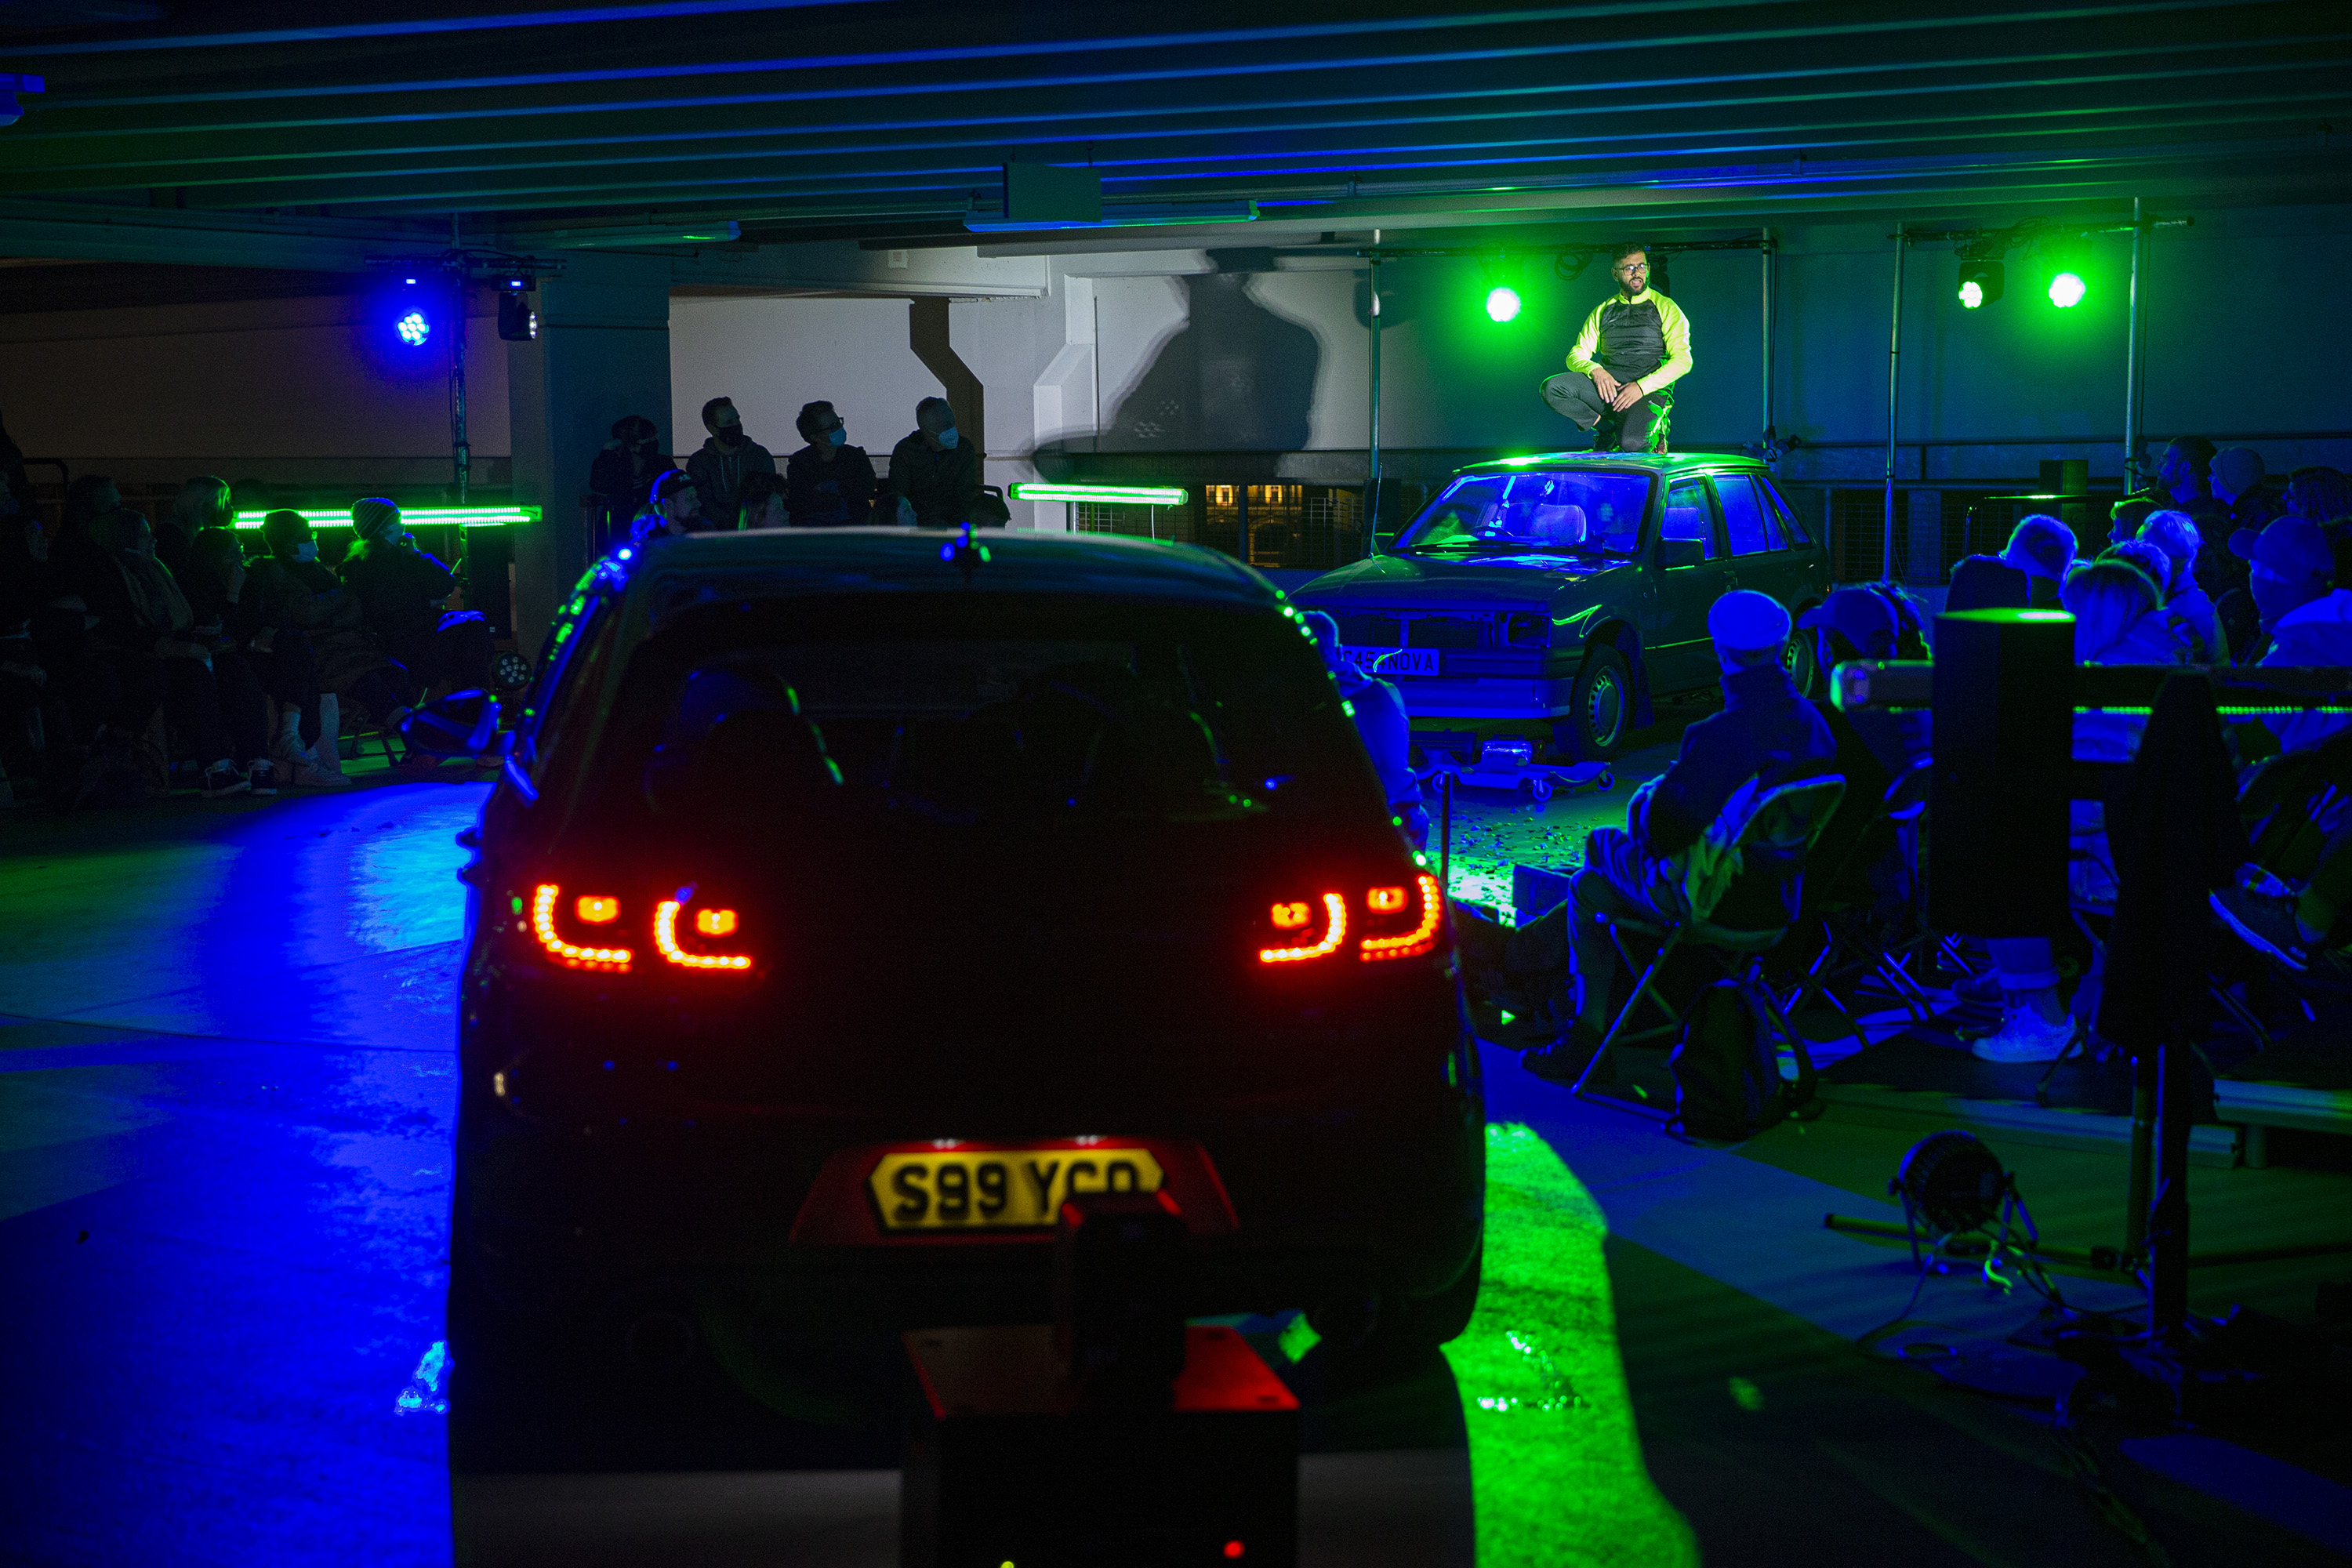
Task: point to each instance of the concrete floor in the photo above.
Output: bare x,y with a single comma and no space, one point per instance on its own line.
226,1083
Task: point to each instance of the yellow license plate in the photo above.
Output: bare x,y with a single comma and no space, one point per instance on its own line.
1001,1189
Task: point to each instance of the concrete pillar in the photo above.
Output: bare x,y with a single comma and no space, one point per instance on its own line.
602,351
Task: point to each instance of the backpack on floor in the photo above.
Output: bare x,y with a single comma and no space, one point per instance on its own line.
1728,1086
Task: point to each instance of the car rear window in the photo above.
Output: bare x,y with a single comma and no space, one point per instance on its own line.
1539,511
961,708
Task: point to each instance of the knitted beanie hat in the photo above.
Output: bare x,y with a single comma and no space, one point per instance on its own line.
374,517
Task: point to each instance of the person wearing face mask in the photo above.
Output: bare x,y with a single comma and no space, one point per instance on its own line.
674,507
934,472
625,471
827,483
203,502
288,591
403,593
717,468
166,658
762,502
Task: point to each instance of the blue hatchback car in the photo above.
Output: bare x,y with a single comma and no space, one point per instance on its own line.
1554,596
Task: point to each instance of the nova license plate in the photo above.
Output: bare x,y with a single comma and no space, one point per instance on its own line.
1001,1189
1393,660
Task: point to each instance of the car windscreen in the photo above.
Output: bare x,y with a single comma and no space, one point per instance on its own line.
1534,511
997,709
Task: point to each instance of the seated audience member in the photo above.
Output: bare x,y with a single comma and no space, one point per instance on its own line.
2324,496
674,507
1873,748
2185,474
2237,483
90,496
762,502
1765,731
2118,619
827,483
934,472
625,471
2306,619
1381,720
2124,517
2026,573
990,511
2178,546
145,619
284,672
203,502
289,590
402,594
727,455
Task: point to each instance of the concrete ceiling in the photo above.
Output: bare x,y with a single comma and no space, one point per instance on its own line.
888,121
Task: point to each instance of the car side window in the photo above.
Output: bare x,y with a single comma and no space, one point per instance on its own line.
567,670
1687,516
1751,526
1777,506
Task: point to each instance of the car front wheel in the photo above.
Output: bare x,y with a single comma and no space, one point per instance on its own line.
1803,667
1601,709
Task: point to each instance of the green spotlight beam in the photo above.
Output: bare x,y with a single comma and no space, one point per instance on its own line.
415,517
1502,304
1105,495
2066,290
1556,1461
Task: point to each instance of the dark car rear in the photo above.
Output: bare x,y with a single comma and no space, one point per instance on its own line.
913,898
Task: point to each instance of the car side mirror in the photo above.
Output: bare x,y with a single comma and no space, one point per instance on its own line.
462,724
1674,552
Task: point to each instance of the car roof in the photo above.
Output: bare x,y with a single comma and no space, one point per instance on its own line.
768,562
1619,462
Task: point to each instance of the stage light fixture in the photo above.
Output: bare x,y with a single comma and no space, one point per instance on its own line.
1502,304
518,320
413,328
2066,290
1981,283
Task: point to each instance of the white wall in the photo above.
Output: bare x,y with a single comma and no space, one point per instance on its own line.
774,356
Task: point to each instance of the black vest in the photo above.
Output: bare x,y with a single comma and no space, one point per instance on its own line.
1633,338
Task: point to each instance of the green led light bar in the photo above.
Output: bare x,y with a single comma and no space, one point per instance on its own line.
1105,495
415,517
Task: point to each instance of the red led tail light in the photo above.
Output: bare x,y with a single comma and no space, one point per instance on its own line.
572,956
1421,938
1335,932
709,922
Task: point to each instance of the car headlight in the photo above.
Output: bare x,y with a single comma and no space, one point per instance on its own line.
1528,630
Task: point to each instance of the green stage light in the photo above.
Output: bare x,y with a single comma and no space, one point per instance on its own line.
1103,495
1502,304
2066,290
1981,283
415,517
1971,294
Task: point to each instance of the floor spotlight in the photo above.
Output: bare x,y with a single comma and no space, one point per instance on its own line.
2066,290
1981,283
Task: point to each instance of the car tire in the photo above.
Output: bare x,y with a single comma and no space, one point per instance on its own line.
1803,667
1409,1328
1601,709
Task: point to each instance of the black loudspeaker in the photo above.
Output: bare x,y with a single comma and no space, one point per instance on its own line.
1997,805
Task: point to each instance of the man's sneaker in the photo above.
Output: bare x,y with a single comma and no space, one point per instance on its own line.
262,777
1984,990
2265,922
2025,1035
223,778
308,774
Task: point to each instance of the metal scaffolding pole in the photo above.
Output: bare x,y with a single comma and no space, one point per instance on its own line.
1765,249
1893,356
2134,361
1373,467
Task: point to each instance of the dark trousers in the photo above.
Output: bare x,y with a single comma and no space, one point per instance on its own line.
1574,397
455,653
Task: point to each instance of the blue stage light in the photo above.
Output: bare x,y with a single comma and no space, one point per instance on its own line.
413,329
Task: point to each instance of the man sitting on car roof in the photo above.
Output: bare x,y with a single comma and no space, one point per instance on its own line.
1765,731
